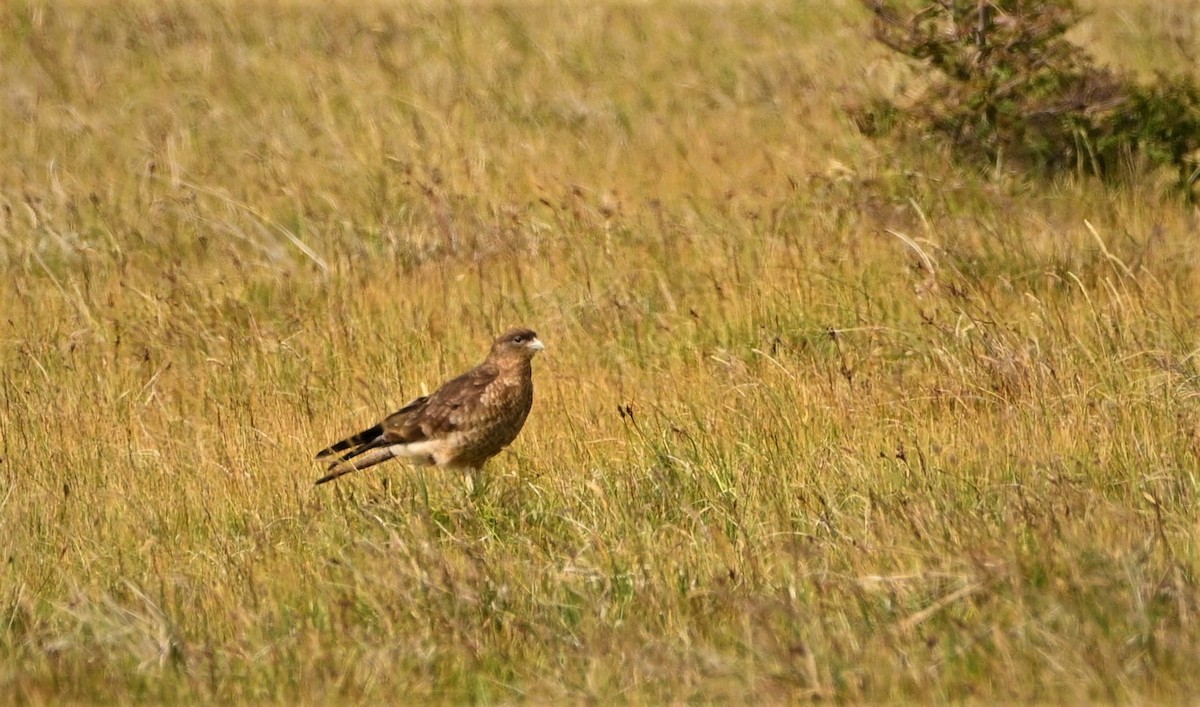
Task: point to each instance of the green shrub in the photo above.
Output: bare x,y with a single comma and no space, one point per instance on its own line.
1009,86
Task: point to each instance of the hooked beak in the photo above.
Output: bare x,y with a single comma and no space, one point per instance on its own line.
536,345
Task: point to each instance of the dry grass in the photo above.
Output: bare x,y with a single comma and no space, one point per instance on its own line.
898,432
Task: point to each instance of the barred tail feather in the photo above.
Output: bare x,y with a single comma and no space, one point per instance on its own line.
365,458
354,442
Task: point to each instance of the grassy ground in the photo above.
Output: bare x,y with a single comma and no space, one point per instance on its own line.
819,417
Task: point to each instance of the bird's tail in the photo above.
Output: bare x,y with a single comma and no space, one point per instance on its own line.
359,459
350,446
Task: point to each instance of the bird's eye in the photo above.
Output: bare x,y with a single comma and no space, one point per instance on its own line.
519,339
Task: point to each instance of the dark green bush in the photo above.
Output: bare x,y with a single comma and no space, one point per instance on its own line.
1008,86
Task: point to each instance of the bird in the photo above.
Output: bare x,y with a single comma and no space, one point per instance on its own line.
461,425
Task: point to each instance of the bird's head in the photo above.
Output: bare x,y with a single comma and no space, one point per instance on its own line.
517,344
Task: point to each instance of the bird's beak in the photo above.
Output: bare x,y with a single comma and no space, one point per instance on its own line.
536,345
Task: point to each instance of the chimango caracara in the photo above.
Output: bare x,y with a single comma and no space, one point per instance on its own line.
461,425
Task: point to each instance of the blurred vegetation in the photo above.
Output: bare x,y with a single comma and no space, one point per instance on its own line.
1010,85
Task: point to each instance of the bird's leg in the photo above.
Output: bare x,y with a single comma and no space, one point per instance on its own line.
424,488
475,480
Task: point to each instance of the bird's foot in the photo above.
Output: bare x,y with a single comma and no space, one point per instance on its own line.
476,482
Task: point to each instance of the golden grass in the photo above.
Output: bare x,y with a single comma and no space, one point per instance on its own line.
898,431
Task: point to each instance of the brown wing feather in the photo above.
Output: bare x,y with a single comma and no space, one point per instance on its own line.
427,417
372,436
444,411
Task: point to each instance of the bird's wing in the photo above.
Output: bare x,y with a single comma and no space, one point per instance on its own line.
373,436
446,409
427,418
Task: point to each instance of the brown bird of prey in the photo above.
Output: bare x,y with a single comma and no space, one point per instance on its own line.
461,425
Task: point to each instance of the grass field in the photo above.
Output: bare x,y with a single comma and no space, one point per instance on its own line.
819,417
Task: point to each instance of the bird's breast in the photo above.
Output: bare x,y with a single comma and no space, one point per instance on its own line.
493,423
